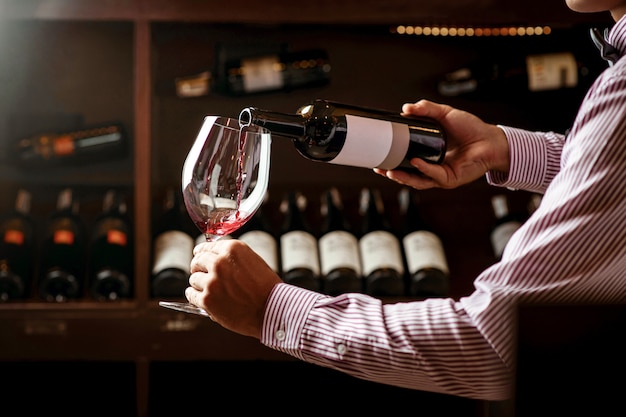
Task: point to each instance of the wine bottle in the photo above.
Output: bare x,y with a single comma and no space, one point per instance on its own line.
172,249
88,145
379,247
506,223
530,73
427,266
298,245
261,237
17,250
338,248
63,249
262,73
344,134
111,251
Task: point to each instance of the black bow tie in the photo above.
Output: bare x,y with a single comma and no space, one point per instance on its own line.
608,51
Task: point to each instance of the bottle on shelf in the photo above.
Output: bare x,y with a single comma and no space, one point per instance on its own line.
379,247
343,134
340,261
523,73
173,245
298,245
533,203
62,270
17,251
83,146
427,266
110,254
506,223
259,73
259,234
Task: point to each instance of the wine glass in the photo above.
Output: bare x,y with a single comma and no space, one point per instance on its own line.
224,180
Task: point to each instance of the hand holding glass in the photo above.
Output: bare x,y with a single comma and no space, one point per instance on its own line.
225,178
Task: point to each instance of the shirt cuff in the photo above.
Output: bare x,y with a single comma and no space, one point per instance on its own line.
286,313
527,169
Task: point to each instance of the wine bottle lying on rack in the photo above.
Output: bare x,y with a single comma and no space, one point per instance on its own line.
344,134
260,73
88,145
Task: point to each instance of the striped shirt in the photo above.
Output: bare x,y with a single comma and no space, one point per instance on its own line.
572,249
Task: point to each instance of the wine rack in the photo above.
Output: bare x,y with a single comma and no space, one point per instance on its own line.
71,63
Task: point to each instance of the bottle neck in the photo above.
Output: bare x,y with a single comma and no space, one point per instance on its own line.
279,124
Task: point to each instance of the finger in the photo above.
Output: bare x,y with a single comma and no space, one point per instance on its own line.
197,280
190,295
425,108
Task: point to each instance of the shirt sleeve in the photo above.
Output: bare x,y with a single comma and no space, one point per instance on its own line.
535,160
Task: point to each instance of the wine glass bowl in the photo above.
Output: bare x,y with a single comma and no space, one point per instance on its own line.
224,179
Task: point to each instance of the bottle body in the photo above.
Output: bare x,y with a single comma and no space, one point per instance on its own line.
506,224
530,73
349,135
62,254
340,261
259,73
17,250
427,266
379,247
172,249
298,245
76,147
111,251
275,72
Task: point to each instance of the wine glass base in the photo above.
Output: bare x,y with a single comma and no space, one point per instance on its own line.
184,307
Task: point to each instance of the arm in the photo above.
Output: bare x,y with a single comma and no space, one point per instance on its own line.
572,250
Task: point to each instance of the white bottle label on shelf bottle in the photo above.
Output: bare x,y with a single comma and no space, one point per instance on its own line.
380,249
264,245
172,249
551,71
263,73
339,249
299,250
424,249
501,235
373,143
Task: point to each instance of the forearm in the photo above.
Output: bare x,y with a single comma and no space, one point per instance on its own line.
423,345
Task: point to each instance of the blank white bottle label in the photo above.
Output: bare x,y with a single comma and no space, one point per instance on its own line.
551,71
173,249
299,250
339,249
423,249
263,73
264,245
380,249
373,143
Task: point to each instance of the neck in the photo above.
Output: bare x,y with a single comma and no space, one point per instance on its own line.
618,13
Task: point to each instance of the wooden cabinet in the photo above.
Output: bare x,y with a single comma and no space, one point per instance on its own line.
74,61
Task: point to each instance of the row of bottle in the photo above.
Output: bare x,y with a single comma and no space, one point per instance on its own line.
72,261
336,259
376,261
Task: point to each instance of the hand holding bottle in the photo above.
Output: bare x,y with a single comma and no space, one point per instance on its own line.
473,148
232,283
